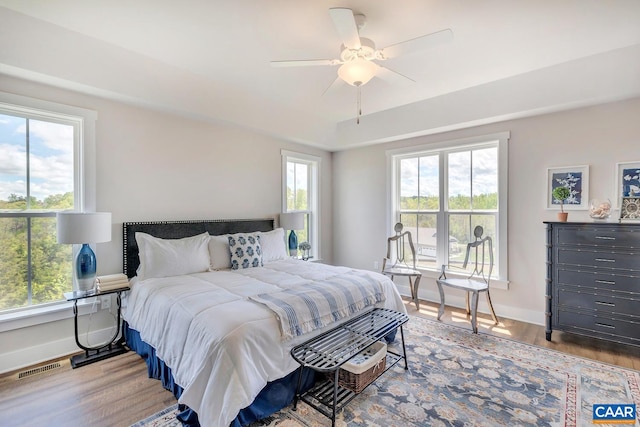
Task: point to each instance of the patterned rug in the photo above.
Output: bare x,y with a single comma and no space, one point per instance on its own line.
164,418
456,378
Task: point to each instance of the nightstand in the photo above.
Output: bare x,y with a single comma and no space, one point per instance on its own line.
112,348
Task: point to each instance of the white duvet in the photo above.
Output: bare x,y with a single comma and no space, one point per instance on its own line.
222,347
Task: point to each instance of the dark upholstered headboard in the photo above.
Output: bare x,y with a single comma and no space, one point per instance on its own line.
179,229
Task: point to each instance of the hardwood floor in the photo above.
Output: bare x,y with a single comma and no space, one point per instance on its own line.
112,392
626,356
117,392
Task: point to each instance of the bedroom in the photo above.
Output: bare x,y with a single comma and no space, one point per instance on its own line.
146,157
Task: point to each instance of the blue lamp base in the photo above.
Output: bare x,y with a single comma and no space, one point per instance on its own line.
86,268
293,244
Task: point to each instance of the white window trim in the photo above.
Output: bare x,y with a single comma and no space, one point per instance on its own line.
502,282
45,313
85,191
314,196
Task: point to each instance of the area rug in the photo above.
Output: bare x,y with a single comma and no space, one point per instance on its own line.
457,378
164,418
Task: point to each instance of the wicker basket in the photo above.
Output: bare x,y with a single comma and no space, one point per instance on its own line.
365,367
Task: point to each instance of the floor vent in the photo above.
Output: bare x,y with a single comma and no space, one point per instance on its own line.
39,370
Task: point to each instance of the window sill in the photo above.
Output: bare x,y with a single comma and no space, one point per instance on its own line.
44,314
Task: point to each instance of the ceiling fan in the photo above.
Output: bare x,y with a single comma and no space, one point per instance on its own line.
357,54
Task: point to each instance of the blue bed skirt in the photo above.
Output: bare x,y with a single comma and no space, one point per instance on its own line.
273,397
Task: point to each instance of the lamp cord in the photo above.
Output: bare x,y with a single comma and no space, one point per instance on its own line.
93,310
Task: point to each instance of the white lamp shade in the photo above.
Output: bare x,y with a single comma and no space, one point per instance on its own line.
292,220
87,227
357,72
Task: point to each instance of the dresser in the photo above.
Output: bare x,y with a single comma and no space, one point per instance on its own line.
593,280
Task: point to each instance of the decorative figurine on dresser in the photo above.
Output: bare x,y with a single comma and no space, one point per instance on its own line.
593,280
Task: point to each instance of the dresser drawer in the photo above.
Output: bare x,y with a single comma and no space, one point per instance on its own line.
598,259
613,281
602,302
595,325
602,237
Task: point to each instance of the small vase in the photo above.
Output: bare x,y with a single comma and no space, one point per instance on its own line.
562,216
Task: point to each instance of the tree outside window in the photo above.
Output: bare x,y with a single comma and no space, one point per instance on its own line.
440,195
36,181
300,194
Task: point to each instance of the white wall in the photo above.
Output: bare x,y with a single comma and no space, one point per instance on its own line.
155,166
599,136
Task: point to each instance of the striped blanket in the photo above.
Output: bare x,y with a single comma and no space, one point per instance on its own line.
320,303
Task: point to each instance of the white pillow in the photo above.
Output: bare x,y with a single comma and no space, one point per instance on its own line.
245,250
171,257
219,252
273,245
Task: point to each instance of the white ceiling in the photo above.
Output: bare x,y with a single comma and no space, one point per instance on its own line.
210,59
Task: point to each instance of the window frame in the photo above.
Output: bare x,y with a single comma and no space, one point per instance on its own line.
441,149
83,121
313,178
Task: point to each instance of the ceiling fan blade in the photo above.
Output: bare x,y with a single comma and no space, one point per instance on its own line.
393,77
346,26
304,62
417,44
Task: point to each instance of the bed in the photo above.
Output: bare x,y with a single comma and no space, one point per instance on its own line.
216,306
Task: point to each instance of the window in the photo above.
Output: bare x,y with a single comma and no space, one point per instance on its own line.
440,193
300,194
40,174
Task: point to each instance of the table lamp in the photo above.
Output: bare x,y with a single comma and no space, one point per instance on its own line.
292,221
84,228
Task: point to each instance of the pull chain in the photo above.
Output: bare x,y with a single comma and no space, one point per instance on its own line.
358,105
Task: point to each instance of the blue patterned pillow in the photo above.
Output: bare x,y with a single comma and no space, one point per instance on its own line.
245,251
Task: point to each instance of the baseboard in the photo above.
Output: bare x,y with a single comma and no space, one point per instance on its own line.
454,300
50,350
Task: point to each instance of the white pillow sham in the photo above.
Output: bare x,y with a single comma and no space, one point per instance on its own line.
219,252
171,257
273,245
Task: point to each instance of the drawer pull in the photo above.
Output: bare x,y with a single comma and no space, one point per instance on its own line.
606,282
608,304
605,260
605,238
605,326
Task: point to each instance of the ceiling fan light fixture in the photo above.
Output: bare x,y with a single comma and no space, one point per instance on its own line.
357,72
